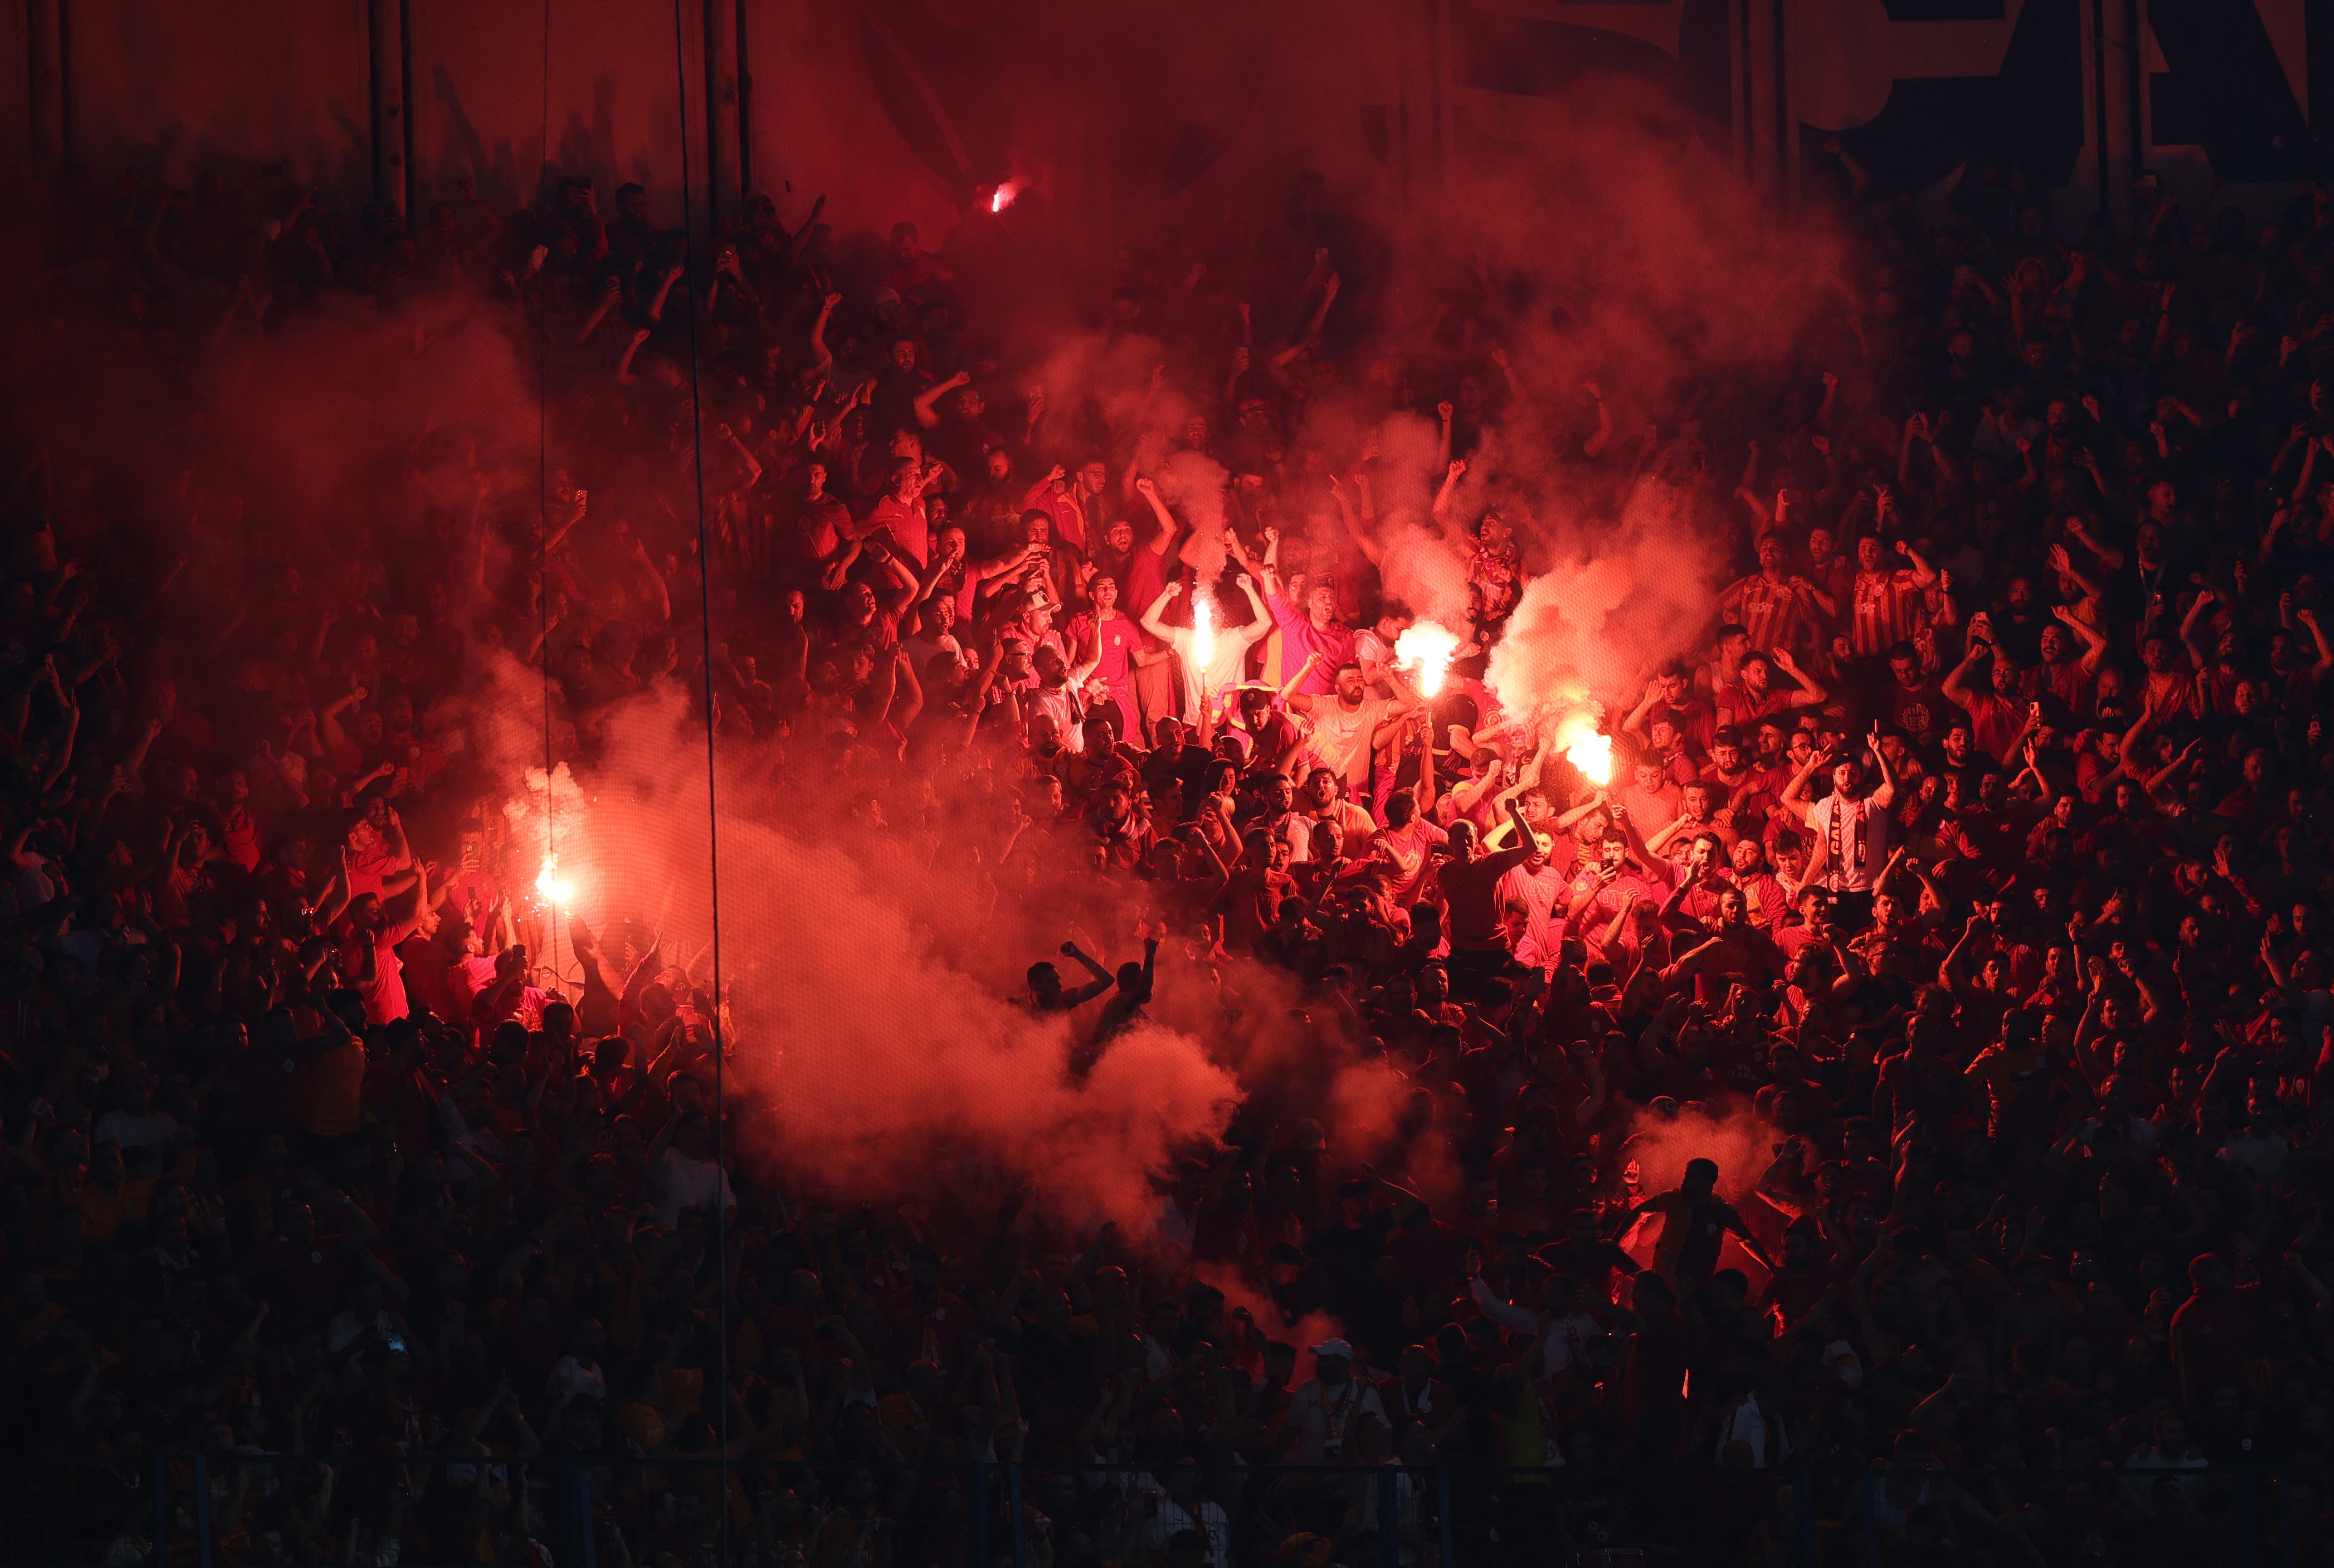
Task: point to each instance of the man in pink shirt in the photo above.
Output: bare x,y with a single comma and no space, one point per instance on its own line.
1316,632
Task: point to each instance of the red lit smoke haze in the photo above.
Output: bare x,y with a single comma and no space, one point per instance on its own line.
1738,1142
865,986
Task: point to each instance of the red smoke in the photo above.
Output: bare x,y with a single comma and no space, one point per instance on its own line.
1739,1143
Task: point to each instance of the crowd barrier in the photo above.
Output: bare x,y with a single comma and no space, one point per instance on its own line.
242,1510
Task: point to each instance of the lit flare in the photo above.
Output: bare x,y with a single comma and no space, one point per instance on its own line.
552,888
1428,648
1203,629
1587,750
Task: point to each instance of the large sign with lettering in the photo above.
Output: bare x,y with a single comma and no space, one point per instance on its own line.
1917,90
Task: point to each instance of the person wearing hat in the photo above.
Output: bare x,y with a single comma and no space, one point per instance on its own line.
1271,733
1325,1405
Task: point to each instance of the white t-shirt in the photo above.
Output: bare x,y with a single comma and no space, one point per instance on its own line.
154,1130
572,1380
34,885
1324,1416
1225,662
1341,739
1068,711
682,1182
1746,1423
1295,829
2261,1154
1855,836
1214,1525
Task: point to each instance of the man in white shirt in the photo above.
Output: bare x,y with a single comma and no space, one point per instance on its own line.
1564,1329
576,1375
1760,1434
1182,1505
1348,724
1851,832
1325,800
135,1123
1322,1414
686,1174
1059,697
1212,662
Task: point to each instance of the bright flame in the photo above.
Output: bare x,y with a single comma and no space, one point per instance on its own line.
1578,738
1427,648
1003,199
554,888
1203,629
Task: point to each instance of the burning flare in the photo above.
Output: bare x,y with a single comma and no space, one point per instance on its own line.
551,886
1590,752
1004,196
1427,648
1203,629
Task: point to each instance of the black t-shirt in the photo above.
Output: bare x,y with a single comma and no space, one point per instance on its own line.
1921,711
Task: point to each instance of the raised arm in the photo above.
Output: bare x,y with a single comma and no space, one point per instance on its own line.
927,416
2109,556
1795,799
1288,689
2095,646
1635,724
1260,622
2196,608
1168,526
1405,702
1599,439
1812,693
1884,794
1101,982
1956,687
1153,614
821,356
1354,529
1923,574
1444,497
904,585
2309,618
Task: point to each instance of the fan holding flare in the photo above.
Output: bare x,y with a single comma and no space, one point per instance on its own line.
1427,649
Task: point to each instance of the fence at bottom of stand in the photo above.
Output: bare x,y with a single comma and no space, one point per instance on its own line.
255,1510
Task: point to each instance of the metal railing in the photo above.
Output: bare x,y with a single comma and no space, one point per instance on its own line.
242,1509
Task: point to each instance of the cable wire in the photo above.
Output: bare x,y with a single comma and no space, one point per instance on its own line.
712,804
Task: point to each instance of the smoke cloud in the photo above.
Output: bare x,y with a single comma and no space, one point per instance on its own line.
1614,599
1738,1142
1193,485
866,957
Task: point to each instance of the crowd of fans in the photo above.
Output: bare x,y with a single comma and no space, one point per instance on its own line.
1966,877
